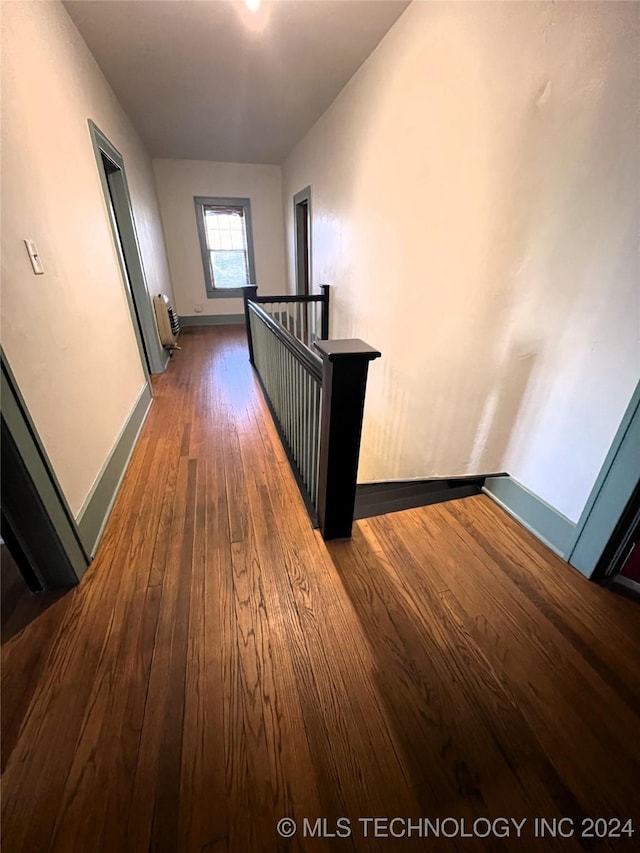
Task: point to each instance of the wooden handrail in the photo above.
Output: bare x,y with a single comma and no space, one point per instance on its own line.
332,436
307,358
250,294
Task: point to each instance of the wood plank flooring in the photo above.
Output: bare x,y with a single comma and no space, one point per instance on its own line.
220,667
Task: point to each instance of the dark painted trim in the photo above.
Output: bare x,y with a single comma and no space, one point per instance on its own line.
250,292
33,503
617,550
300,197
212,320
545,522
627,587
395,495
345,365
116,193
15,552
614,486
97,507
245,203
471,479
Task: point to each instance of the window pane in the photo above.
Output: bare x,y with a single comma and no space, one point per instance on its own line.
229,269
224,229
214,239
224,236
237,240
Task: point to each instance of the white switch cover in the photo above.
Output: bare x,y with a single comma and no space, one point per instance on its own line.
34,257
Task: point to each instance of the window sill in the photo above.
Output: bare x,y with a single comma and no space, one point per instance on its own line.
230,293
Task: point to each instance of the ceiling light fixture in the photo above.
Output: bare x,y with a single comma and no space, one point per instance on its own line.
252,5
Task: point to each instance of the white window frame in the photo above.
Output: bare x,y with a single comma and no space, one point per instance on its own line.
201,202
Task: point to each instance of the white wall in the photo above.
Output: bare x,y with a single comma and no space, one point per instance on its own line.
178,182
475,207
68,334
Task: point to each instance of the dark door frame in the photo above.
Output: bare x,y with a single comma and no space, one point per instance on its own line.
610,496
116,195
302,238
37,522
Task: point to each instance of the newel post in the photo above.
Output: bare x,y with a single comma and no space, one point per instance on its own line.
324,314
249,291
344,381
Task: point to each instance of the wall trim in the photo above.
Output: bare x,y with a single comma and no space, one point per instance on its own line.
96,509
119,211
212,320
395,495
545,522
411,480
38,519
612,490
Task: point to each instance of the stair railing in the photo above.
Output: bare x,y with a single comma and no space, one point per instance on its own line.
306,317
315,389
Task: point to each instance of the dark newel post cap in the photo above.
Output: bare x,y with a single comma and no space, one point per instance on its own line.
333,350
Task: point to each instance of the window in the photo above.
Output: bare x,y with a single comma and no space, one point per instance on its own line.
226,243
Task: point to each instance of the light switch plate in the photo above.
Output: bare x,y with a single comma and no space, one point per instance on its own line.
34,257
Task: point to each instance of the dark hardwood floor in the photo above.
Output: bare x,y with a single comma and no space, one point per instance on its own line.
220,667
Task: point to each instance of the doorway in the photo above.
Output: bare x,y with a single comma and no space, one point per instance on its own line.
620,560
302,220
609,522
116,194
37,523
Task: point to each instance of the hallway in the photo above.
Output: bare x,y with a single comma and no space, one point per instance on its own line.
220,667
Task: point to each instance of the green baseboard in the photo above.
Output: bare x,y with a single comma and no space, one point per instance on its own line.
545,522
97,507
212,320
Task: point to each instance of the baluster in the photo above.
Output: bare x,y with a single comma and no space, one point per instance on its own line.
312,391
301,375
310,437
287,402
307,429
303,412
292,414
272,367
281,380
278,360
316,443
297,411
314,446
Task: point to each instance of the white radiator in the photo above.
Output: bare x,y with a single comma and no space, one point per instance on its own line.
167,320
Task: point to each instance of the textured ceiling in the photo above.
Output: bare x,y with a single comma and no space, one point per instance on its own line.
209,80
